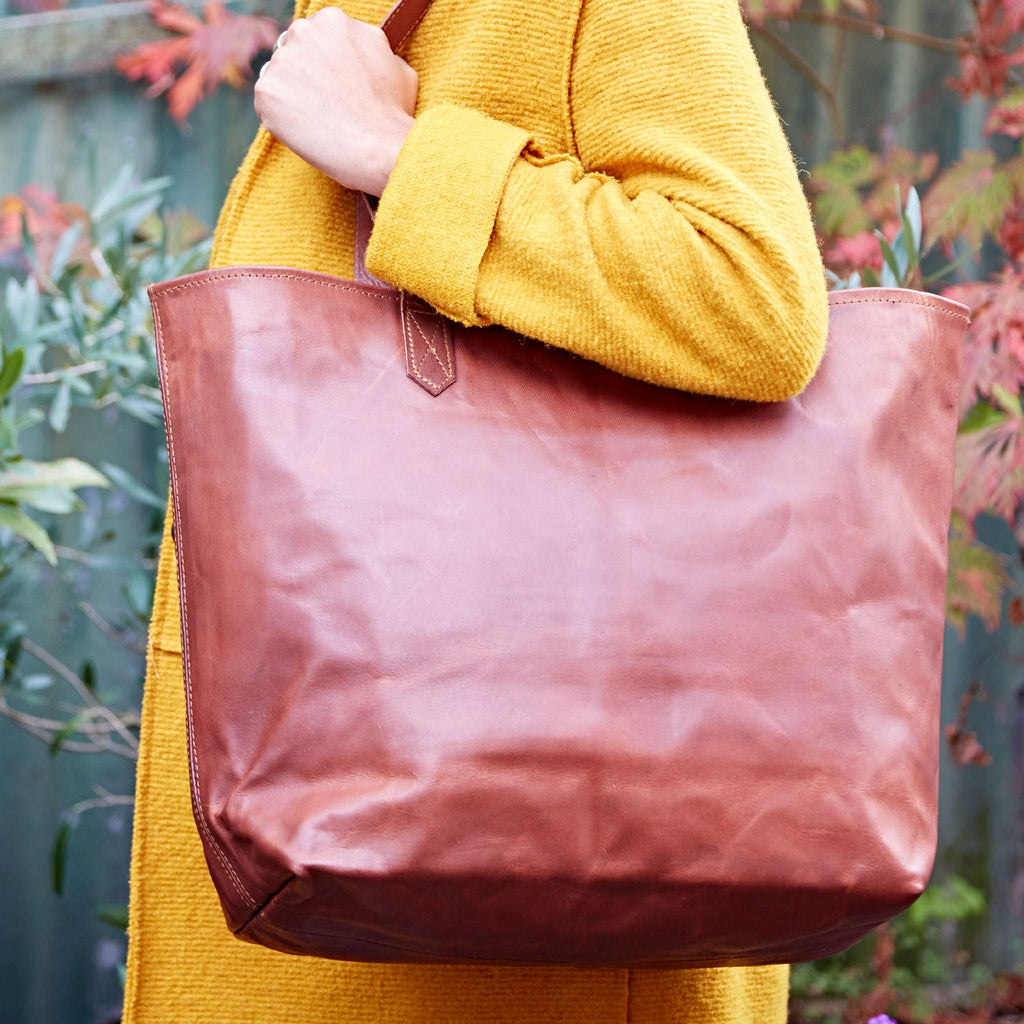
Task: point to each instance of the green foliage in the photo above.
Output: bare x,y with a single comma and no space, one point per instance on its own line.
972,199
977,580
75,331
924,932
914,955
901,258
76,342
116,915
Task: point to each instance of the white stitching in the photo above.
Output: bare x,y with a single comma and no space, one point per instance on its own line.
186,663
206,277
412,28
835,300
444,364
409,315
410,351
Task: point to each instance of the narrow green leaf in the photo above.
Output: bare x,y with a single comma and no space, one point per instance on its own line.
10,370
29,246
891,269
10,649
909,239
16,520
68,472
114,914
55,500
138,591
63,250
114,192
59,857
67,729
145,409
1009,401
133,206
948,269
60,408
980,417
913,215
122,478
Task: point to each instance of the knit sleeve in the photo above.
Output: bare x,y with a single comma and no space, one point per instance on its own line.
673,244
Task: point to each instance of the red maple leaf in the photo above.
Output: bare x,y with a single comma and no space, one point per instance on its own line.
45,218
1007,116
994,350
990,472
964,747
988,55
203,53
846,255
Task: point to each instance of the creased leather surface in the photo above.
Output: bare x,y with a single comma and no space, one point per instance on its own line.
556,667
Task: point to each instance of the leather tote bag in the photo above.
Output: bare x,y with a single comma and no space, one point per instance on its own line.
495,656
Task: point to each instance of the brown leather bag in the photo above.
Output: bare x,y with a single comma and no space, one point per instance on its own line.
493,655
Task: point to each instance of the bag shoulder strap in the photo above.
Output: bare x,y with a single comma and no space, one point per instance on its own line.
402,19
399,24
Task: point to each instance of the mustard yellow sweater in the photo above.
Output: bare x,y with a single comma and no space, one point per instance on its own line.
604,175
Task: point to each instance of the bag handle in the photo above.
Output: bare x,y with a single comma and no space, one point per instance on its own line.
398,25
426,334
402,19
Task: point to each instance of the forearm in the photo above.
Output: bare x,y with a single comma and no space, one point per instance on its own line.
671,243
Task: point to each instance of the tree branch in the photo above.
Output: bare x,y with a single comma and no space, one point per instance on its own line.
879,30
794,59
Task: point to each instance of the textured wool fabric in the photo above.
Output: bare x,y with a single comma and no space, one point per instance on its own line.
608,176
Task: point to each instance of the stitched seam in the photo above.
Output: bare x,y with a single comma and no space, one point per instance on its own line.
444,364
874,301
265,905
209,278
179,543
449,369
395,15
410,351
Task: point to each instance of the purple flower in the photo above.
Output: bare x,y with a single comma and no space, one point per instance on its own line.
884,1019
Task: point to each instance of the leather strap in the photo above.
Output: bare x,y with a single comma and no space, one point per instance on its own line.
399,24
364,227
402,19
429,345
426,334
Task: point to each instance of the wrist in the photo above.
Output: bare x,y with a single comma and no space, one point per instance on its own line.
384,154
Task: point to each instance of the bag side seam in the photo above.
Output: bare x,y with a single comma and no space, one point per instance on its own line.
193,760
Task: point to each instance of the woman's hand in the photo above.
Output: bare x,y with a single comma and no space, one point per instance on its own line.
336,95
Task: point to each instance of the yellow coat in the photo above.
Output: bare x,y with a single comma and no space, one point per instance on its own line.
608,176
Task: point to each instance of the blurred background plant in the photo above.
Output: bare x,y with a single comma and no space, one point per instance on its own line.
75,345
926,192
973,216
948,219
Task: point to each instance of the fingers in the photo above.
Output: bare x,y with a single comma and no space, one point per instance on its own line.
330,30
335,94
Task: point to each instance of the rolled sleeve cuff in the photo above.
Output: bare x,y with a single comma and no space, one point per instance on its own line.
437,213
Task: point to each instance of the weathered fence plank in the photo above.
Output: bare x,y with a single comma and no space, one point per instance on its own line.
57,45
